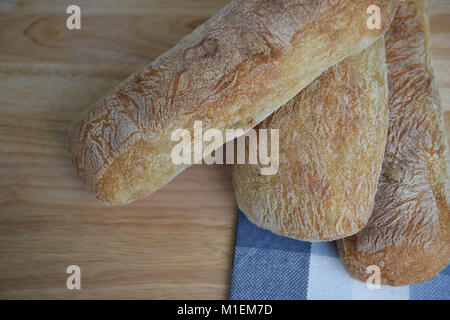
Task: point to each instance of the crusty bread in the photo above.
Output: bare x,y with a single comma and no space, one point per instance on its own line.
231,72
408,233
332,138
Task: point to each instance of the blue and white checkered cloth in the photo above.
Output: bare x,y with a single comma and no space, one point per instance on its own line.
268,266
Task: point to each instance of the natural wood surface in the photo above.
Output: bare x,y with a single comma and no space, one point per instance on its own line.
178,242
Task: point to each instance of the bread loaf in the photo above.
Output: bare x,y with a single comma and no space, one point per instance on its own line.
332,138
231,72
407,236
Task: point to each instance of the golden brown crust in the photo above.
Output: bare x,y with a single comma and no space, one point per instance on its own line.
332,138
232,71
408,233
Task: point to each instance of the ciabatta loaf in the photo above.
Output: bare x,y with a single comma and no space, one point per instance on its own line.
332,139
231,72
408,236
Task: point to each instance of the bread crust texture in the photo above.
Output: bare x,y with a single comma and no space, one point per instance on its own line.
408,235
332,138
231,72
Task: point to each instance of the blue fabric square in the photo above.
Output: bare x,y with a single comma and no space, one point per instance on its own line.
251,236
268,266
327,249
437,288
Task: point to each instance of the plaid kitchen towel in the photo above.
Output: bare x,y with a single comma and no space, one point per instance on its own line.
268,266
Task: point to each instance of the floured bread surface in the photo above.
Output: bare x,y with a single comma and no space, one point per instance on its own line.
408,233
231,72
332,139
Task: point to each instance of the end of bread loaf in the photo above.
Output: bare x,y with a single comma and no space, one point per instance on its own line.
140,169
399,265
133,175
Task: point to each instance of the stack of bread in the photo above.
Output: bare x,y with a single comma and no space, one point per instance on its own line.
363,156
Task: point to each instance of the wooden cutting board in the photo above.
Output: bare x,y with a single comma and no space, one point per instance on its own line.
176,243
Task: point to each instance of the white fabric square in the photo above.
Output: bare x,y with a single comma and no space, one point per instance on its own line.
329,280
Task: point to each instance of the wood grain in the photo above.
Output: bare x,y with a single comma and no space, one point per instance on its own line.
178,242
